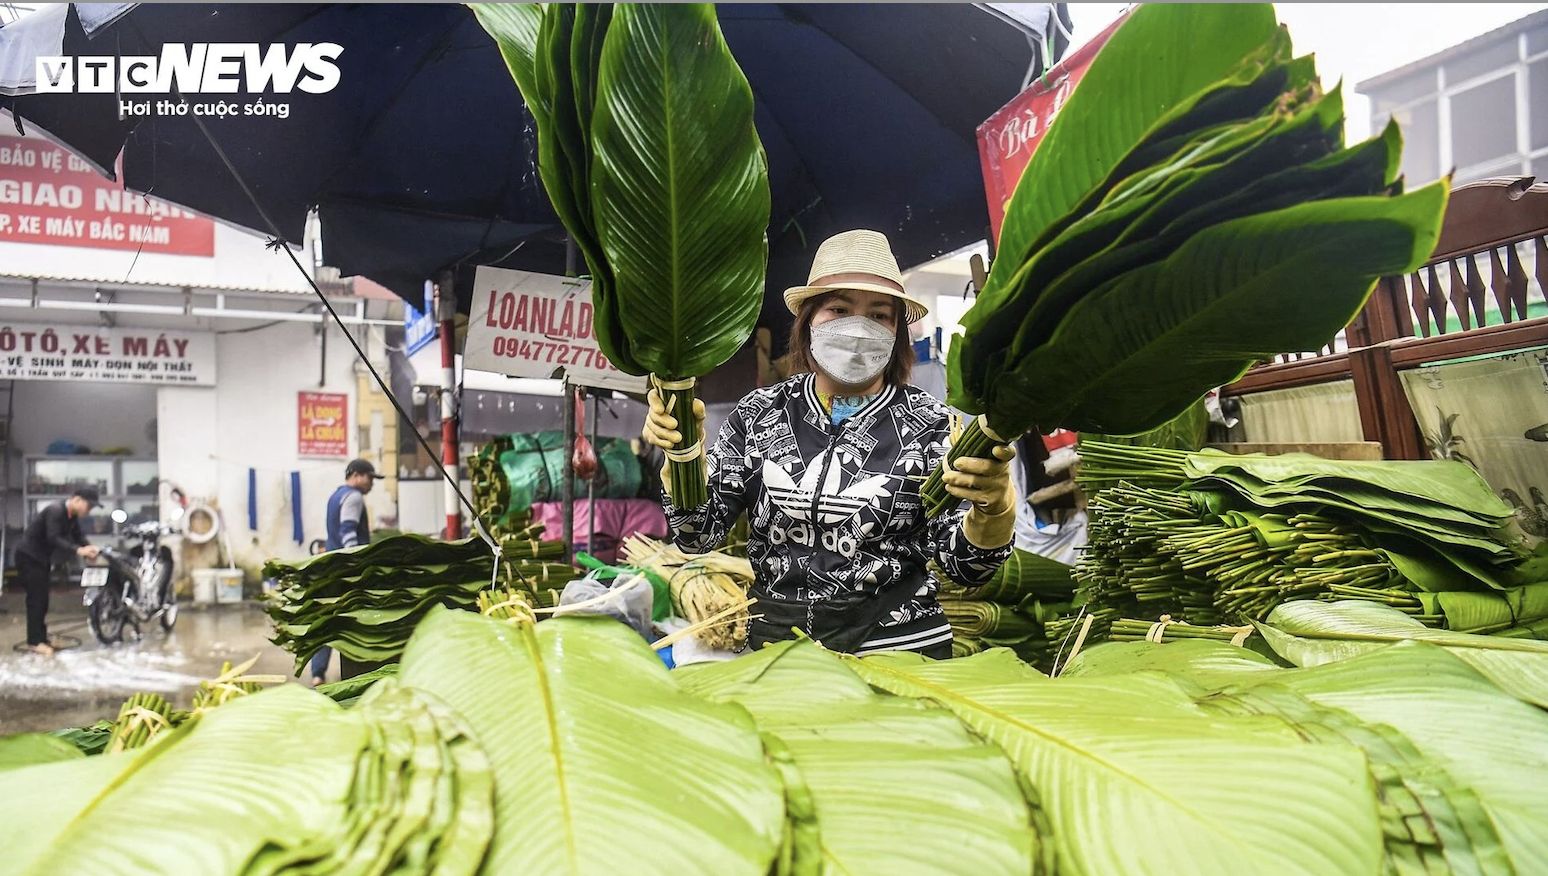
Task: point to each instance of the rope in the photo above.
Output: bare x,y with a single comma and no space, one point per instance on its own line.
1158,629
1080,640
687,454
273,228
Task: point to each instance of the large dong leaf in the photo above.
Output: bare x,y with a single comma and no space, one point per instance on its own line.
1309,633
897,787
1460,721
680,190
1441,485
1163,54
601,764
271,771
38,802
1199,661
1134,353
1137,781
536,41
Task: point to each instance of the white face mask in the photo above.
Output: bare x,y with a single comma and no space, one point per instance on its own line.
852,349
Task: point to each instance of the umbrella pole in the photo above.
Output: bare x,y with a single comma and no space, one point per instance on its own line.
567,411
567,489
446,309
591,485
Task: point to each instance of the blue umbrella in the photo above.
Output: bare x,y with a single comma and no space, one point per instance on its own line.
422,158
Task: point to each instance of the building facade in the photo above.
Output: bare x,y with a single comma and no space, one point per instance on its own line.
1480,107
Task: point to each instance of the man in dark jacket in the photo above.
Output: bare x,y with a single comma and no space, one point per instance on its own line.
56,529
348,525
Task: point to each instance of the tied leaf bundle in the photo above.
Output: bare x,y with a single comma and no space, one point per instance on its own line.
1191,212
1014,610
647,149
707,590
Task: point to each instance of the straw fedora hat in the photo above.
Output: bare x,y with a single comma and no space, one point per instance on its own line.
860,260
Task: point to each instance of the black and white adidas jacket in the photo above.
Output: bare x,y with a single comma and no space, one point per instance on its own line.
839,539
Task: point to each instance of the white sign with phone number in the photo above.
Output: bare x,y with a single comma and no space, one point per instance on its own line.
535,325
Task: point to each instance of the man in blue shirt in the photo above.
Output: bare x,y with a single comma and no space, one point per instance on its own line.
348,526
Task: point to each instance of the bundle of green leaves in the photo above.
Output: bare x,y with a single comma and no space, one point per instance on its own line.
1192,211
648,152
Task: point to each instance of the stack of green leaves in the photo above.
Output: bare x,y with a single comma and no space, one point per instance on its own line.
1450,797
1218,539
365,601
394,786
1435,518
648,152
602,765
1191,212
1354,750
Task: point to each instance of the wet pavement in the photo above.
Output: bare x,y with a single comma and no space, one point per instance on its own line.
81,685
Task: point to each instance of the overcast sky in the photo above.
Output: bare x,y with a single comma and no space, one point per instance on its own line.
1356,41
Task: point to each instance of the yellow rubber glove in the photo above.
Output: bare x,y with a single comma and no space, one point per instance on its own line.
661,429
991,522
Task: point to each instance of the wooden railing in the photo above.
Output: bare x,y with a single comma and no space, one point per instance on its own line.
1474,297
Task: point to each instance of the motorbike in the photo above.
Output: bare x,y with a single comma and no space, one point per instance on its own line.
133,585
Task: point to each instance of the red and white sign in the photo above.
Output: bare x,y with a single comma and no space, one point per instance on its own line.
322,424
46,351
533,325
1008,138
49,196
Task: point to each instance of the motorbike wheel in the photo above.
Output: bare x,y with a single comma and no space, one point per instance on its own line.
105,617
168,599
169,613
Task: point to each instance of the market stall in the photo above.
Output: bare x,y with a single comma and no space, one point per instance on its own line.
1270,664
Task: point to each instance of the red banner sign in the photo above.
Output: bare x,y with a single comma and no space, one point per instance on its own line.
47,195
1008,138
322,424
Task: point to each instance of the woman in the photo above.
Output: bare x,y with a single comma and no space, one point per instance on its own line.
828,465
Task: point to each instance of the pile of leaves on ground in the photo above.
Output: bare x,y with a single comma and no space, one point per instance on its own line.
364,602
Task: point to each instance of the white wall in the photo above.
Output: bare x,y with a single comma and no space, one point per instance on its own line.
210,437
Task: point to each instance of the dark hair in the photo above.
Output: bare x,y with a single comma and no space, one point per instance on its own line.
801,361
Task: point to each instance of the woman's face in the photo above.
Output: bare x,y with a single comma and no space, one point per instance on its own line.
853,302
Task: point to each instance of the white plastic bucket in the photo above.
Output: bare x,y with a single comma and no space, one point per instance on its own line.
204,586
228,585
